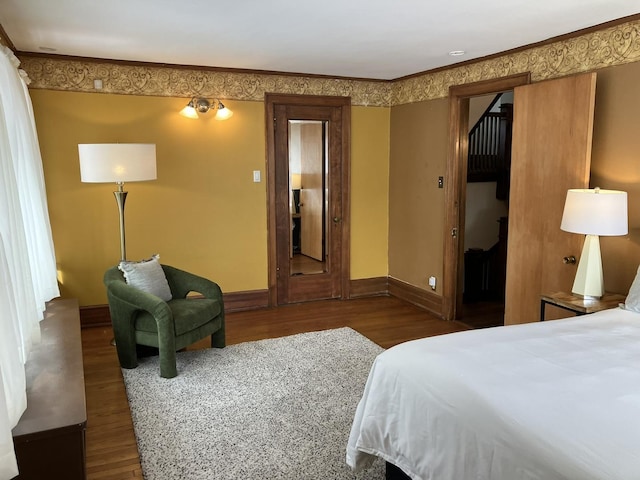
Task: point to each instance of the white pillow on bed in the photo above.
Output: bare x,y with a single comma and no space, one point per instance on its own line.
632,302
148,276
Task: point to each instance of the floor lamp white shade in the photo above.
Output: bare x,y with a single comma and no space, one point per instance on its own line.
119,163
594,213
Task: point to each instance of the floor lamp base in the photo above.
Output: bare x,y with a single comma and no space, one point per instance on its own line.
121,197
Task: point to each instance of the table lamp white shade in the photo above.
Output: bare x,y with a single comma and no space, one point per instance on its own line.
593,212
117,162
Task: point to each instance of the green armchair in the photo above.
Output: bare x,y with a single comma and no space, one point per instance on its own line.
142,318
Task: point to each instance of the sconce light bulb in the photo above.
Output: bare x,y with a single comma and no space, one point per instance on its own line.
189,112
222,112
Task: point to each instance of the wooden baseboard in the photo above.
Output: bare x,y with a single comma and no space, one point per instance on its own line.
95,316
417,296
368,287
249,300
98,315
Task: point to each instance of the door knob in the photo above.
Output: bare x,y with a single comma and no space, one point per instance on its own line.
336,219
570,260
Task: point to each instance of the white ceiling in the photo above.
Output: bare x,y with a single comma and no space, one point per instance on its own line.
378,39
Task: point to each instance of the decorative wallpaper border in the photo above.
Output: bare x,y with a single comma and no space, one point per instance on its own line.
75,75
604,48
616,45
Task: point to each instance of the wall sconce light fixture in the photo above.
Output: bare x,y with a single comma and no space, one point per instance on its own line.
202,105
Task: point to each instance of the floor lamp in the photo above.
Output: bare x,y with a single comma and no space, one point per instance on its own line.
119,163
593,212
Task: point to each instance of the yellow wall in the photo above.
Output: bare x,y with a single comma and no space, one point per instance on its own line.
369,191
416,204
616,165
206,215
203,213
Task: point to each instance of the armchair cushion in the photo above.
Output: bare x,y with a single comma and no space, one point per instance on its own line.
192,312
148,276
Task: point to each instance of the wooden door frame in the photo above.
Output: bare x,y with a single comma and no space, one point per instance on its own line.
344,103
455,185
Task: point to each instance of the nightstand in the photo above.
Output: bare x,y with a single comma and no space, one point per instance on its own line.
577,304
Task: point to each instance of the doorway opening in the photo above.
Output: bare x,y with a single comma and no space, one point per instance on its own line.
456,188
486,210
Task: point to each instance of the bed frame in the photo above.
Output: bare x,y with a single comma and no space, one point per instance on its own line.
394,473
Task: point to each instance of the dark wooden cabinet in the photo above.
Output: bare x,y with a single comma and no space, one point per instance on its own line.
49,439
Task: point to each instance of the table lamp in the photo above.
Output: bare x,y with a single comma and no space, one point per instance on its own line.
593,213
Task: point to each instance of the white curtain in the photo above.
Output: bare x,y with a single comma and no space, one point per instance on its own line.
27,258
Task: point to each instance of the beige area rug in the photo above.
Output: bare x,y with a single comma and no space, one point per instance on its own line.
273,409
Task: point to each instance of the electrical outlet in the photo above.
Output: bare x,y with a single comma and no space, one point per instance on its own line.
432,283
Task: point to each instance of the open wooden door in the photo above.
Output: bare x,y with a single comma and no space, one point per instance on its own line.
312,194
552,132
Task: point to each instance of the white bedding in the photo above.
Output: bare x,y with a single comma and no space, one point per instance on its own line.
550,400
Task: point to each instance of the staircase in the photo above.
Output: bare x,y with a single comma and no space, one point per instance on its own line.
485,270
489,156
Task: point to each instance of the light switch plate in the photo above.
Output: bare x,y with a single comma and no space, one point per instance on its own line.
256,176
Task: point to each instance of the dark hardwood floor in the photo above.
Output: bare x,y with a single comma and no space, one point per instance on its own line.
482,314
302,264
111,446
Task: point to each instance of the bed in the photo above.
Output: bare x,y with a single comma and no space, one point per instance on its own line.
547,401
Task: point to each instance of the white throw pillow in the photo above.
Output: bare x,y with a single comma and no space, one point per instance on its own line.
632,302
148,276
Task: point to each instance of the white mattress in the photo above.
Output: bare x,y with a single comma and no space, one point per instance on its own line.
549,400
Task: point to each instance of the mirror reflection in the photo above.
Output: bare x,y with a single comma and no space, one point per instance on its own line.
308,171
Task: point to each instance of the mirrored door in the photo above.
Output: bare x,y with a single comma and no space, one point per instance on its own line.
308,198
